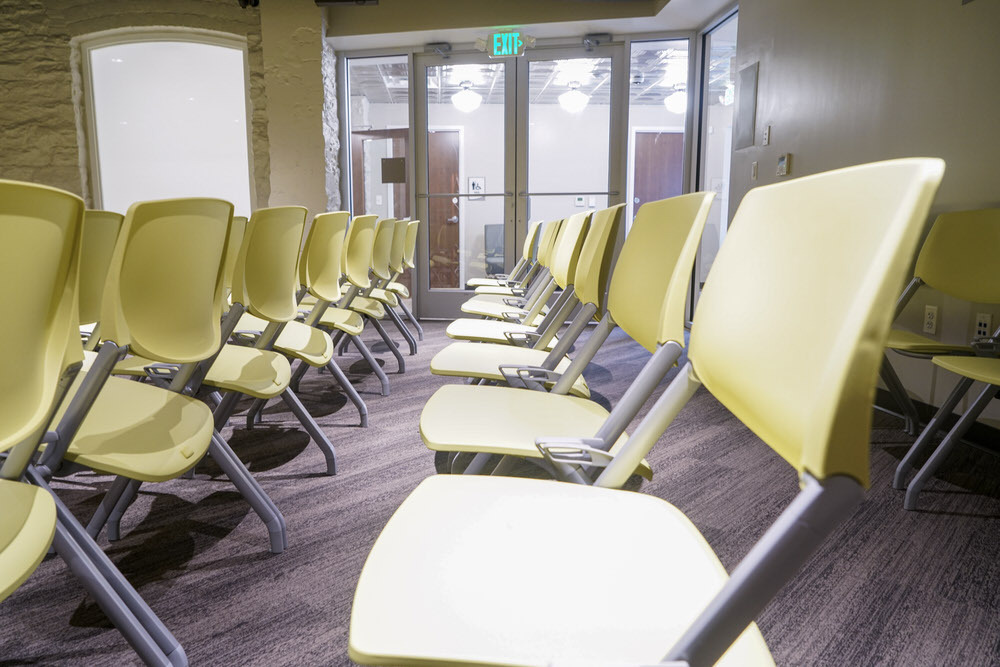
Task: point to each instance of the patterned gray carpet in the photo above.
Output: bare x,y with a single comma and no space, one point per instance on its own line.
892,587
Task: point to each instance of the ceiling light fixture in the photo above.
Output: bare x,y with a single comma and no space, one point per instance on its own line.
676,102
573,100
466,100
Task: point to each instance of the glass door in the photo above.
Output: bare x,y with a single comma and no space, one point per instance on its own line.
570,109
465,183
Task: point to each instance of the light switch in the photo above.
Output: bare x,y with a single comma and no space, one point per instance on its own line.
753,171
784,164
593,202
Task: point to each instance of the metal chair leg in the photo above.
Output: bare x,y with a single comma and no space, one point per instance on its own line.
140,626
411,318
115,518
924,441
410,340
351,392
100,517
254,494
297,375
374,365
400,362
313,429
900,395
254,413
941,453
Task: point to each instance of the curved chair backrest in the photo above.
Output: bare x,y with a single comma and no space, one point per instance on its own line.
323,255
410,249
398,249
959,256
567,251
358,249
531,239
594,264
40,229
549,237
833,250
97,245
650,282
234,246
163,297
384,231
269,263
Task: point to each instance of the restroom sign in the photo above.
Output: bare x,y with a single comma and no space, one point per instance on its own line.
505,44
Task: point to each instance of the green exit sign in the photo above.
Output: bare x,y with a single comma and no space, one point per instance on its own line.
504,44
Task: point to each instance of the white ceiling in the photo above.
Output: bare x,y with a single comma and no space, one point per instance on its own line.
677,15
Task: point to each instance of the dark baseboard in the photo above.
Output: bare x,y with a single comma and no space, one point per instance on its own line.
980,435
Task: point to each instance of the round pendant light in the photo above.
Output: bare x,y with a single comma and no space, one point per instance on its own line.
573,100
466,100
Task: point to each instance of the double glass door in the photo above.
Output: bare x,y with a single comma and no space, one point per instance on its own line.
501,143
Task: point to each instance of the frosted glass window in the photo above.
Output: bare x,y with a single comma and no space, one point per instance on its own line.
170,121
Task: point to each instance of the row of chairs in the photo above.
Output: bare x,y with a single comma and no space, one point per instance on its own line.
496,569
169,355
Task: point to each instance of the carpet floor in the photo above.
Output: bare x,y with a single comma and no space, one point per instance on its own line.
889,588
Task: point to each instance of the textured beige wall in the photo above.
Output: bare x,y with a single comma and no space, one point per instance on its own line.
856,81
38,136
292,33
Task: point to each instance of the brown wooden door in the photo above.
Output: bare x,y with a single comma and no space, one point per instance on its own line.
659,165
443,222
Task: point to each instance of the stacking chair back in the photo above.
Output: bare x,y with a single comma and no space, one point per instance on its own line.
320,268
160,312
530,248
358,249
40,227
100,232
649,287
384,231
593,266
567,251
548,241
410,247
267,278
959,257
237,229
398,246
813,409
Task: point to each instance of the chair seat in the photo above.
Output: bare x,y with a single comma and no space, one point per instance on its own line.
399,288
27,524
504,420
385,296
142,432
479,305
489,331
343,319
499,290
907,341
481,360
257,373
981,369
368,306
483,282
532,572
297,340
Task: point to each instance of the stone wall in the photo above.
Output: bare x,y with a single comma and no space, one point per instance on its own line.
38,127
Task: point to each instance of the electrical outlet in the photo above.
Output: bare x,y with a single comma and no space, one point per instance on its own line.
984,325
930,319
767,135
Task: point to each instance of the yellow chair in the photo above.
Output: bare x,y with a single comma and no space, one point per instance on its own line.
171,324
959,259
534,367
520,275
372,309
100,232
401,290
502,307
387,297
319,275
646,299
40,357
666,596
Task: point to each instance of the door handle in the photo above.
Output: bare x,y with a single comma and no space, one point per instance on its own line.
453,218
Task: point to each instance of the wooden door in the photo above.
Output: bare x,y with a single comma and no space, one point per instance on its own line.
443,223
659,167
